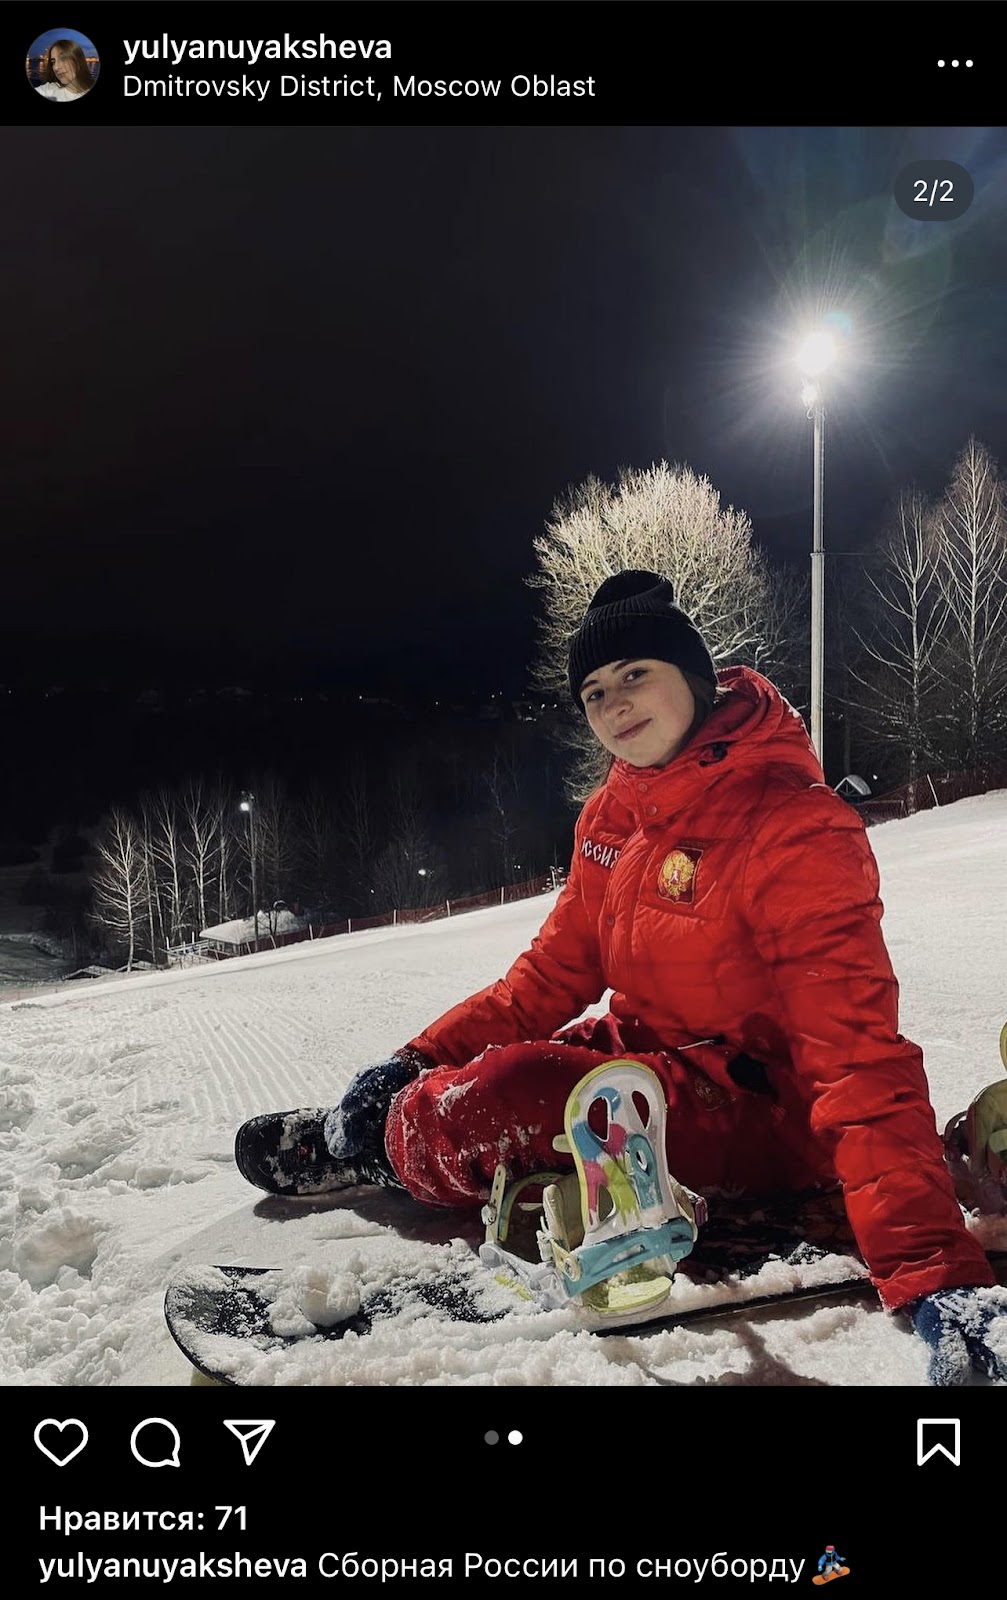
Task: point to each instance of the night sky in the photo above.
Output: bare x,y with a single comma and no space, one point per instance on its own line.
301,398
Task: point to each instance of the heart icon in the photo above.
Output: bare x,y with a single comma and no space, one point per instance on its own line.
71,1422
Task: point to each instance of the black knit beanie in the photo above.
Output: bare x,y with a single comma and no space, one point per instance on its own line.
633,616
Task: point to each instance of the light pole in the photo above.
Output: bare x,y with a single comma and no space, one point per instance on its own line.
248,807
816,354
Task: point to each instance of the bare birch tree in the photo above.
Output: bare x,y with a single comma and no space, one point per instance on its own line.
972,531
408,871
274,837
353,814
228,856
151,884
895,674
201,843
783,652
165,834
120,885
502,782
316,838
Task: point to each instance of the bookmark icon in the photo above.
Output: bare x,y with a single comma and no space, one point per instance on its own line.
938,1435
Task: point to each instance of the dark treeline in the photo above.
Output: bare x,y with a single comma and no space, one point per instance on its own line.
365,803
350,811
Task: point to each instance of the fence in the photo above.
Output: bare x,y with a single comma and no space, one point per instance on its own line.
931,790
20,993
197,951
206,949
32,988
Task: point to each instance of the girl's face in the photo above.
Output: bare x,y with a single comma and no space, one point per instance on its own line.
641,711
63,67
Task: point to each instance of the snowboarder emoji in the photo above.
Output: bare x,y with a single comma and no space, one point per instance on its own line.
830,1565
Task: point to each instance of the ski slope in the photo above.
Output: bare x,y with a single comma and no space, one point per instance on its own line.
119,1101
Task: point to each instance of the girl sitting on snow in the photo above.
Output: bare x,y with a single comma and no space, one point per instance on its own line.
729,898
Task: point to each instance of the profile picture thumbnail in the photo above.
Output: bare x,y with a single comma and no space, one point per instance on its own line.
62,65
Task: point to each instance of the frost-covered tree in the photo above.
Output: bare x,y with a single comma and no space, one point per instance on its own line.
661,519
667,520
120,886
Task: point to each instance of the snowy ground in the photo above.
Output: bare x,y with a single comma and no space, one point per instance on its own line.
118,1106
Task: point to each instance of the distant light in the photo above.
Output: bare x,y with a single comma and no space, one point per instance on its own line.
816,352
421,872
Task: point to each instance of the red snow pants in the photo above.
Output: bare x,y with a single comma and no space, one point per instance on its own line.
446,1131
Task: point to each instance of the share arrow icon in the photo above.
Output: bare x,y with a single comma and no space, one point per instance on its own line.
251,1435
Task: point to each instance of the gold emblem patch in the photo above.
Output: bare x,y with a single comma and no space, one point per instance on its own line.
677,877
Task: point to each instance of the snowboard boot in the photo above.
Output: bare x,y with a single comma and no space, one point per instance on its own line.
975,1146
285,1153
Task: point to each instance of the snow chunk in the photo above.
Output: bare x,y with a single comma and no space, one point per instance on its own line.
17,1103
303,1298
63,1238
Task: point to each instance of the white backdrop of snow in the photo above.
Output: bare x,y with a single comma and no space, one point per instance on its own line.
118,1107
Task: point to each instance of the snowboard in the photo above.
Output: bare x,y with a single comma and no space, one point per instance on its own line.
827,1577
233,1322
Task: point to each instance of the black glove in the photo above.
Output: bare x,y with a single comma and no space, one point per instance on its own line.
358,1121
966,1330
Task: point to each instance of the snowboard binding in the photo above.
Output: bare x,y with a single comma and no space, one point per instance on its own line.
611,1233
975,1147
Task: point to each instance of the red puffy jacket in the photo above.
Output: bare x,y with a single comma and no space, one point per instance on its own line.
733,894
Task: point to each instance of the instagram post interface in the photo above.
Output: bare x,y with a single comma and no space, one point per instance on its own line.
502,870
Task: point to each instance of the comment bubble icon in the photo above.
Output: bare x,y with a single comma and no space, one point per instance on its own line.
154,1453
